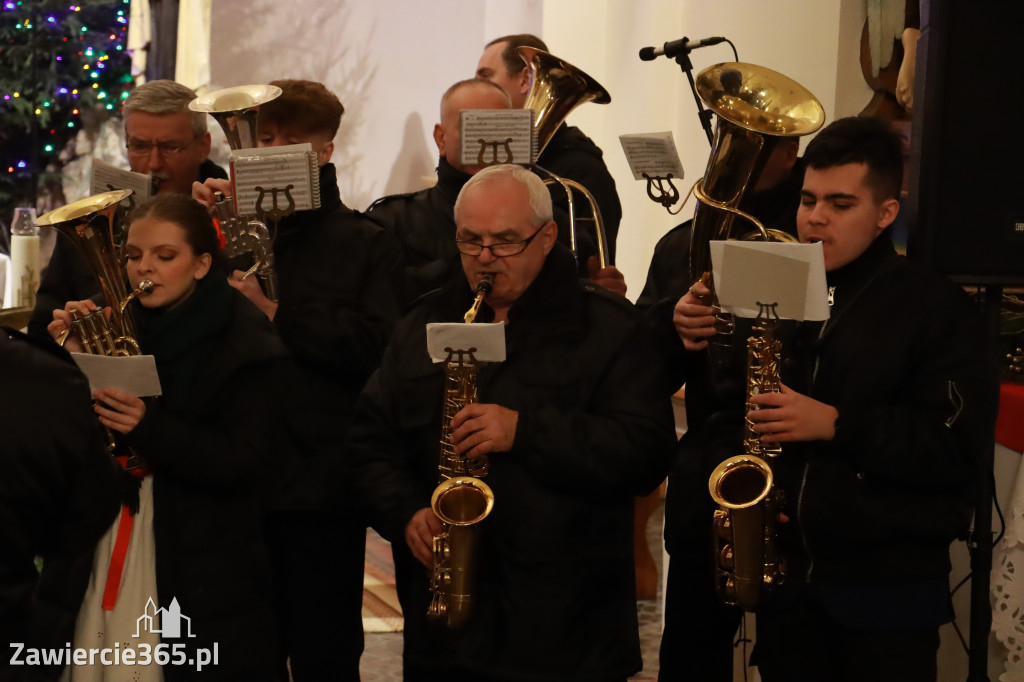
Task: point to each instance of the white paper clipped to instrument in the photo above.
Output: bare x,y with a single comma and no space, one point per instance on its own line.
135,374
792,276
487,338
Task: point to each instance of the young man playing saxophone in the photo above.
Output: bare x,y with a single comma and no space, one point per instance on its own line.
882,426
574,422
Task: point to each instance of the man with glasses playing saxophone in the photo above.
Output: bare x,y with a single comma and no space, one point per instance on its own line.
575,422
164,140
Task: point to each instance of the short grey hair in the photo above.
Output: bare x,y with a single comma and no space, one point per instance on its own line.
539,197
162,97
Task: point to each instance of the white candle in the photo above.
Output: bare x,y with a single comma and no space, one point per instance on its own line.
23,280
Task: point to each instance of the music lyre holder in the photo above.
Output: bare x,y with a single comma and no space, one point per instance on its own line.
275,213
657,192
683,60
494,144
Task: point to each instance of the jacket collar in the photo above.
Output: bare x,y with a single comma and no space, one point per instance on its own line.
450,180
330,201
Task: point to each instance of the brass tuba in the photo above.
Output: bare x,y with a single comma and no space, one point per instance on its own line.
755,108
461,500
747,564
90,224
556,88
236,111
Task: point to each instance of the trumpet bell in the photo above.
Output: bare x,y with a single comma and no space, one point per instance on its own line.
759,99
558,87
235,110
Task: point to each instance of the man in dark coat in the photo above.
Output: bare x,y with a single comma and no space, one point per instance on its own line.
339,281
424,221
697,641
569,153
574,426
58,495
882,441
164,140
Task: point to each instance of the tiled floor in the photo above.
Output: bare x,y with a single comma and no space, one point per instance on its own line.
382,656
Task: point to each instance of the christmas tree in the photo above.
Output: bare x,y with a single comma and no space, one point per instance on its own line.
60,64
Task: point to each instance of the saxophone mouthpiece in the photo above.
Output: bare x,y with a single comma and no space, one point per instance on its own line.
486,284
145,287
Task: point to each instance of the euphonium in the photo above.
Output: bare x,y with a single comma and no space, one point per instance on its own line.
236,110
90,224
747,564
557,87
461,500
755,108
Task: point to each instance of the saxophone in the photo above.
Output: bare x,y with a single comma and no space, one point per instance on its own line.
461,500
747,564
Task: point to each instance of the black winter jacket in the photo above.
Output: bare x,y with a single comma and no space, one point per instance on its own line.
339,285
209,452
556,563
58,495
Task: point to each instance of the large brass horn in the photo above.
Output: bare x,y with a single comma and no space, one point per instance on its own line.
236,111
89,224
755,108
557,87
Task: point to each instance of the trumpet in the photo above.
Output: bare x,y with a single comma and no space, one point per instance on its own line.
236,111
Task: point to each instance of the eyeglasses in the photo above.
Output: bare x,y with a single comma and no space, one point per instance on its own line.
168,150
499,250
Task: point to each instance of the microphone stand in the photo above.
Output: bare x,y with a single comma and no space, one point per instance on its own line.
683,60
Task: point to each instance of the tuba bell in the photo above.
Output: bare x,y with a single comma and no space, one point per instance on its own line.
755,108
90,224
556,88
236,111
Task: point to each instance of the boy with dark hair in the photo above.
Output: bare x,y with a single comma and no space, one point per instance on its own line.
339,277
883,414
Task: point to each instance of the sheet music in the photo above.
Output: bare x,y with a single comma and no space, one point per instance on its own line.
275,168
494,136
107,177
651,153
789,275
135,374
488,338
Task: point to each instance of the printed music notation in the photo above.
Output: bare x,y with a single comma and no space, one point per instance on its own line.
494,136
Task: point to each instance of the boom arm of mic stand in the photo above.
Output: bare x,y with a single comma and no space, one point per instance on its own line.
683,60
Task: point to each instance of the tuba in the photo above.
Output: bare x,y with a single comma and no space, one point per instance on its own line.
461,500
556,88
236,111
747,564
755,108
90,224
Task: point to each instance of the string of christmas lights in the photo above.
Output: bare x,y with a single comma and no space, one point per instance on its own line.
59,61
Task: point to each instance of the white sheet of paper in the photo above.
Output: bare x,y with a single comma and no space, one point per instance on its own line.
135,374
651,153
493,136
488,338
789,275
107,177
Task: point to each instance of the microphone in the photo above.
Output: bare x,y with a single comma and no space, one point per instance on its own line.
678,47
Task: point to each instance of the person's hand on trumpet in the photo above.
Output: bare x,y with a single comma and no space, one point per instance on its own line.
60,328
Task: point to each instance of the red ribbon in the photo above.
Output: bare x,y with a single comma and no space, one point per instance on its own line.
124,534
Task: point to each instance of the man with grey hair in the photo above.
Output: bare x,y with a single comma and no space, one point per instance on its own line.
575,424
164,140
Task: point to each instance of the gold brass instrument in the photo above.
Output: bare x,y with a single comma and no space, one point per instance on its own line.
747,564
557,87
236,111
90,223
461,500
755,107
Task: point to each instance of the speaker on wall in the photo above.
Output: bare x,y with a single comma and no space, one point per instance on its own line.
966,186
